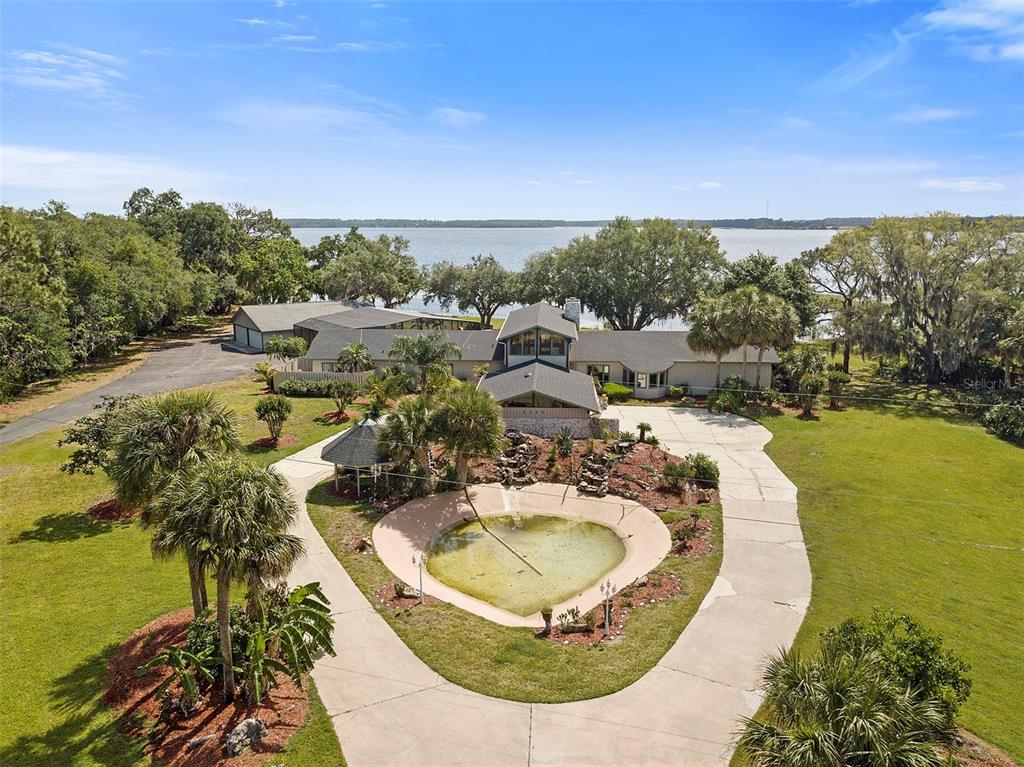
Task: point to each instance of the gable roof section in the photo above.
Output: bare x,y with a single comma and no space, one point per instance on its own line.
649,351
476,345
356,447
568,386
268,318
539,315
365,317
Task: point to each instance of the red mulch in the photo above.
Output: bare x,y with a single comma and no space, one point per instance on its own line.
283,441
636,475
283,711
387,595
110,509
333,416
972,751
347,492
659,587
699,545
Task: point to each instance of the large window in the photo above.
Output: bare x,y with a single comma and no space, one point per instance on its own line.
644,380
600,372
551,344
521,344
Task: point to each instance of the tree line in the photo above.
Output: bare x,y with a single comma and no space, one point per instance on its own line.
935,292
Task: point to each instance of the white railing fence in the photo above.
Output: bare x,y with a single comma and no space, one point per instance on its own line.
299,375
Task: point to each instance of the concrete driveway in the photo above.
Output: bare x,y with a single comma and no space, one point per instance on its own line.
389,708
177,365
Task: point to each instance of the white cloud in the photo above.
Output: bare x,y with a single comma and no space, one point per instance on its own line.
929,115
700,186
881,167
987,30
582,182
56,171
962,185
295,38
860,65
456,118
534,182
89,73
369,46
309,118
254,22
791,121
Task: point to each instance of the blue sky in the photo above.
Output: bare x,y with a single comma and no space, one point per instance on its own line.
519,110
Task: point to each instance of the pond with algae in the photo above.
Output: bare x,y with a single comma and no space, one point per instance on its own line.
522,564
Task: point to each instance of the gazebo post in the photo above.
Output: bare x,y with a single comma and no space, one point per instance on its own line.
359,492
337,473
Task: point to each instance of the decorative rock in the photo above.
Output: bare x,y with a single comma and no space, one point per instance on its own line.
196,742
248,732
641,581
364,545
405,592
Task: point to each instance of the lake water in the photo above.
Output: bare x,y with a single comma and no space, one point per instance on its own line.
511,247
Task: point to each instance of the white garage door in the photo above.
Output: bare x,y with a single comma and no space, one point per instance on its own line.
241,336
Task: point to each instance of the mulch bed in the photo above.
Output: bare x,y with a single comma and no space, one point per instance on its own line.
657,588
273,443
347,492
110,509
699,543
333,416
637,475
283,711
387,596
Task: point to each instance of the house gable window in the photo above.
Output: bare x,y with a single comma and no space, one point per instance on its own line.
551,344
522,344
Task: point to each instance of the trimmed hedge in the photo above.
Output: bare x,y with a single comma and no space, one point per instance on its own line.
295,387
1007,421
617,392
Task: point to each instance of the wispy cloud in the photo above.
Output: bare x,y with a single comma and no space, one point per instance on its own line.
364,46
700,186
89,73
930,115
253,22
295,38
302,118
962,185
862,64
582,181
987,30
56,171
456,118
792,121
880,166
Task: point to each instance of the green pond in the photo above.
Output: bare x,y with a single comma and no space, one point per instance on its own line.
566,556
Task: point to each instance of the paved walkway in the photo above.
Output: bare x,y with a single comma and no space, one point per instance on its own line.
179,364
389,708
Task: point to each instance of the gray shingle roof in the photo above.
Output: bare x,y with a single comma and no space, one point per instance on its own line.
476,345
569,386
540,315
278,317
355,447
369,317
649,351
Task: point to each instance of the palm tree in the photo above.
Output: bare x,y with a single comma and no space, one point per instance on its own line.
430,353
745,315
707,332
1011,345
644,428
233,516
842,709
406,432
776,325
355,358
158,437
382,390
468,423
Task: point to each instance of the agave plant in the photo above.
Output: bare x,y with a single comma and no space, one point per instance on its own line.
187,669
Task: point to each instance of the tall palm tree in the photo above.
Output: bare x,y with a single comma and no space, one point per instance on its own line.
468,423
355,358
776,325
406,433
841,710
430,353
233,516
708,332
745,314
159,436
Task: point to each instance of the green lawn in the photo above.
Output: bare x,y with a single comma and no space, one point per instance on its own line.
891,498
511,662
73,588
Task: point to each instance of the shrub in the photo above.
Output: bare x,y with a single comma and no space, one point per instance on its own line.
617,392
809,387
186,668
674,473
343,393
725,402
273,410
653,441
295,387
799,361
739,385
564,441
836,381
912,656
770,396
1006,420
265,371
704,468
677,391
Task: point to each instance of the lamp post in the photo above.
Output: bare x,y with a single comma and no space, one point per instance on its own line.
608,589
419,560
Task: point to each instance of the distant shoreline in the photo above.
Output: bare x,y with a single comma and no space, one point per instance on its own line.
515,223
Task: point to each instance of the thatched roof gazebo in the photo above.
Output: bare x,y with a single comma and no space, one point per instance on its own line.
355,450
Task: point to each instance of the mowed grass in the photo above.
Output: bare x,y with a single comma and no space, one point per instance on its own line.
513,663
73,588
911,507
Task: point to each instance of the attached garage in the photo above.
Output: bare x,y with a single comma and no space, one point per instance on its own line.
254,323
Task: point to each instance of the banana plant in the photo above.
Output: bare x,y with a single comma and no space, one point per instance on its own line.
186,668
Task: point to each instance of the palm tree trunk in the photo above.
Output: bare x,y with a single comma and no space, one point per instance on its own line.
744,368
718,371
760,356
197,581
462,466
224,623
